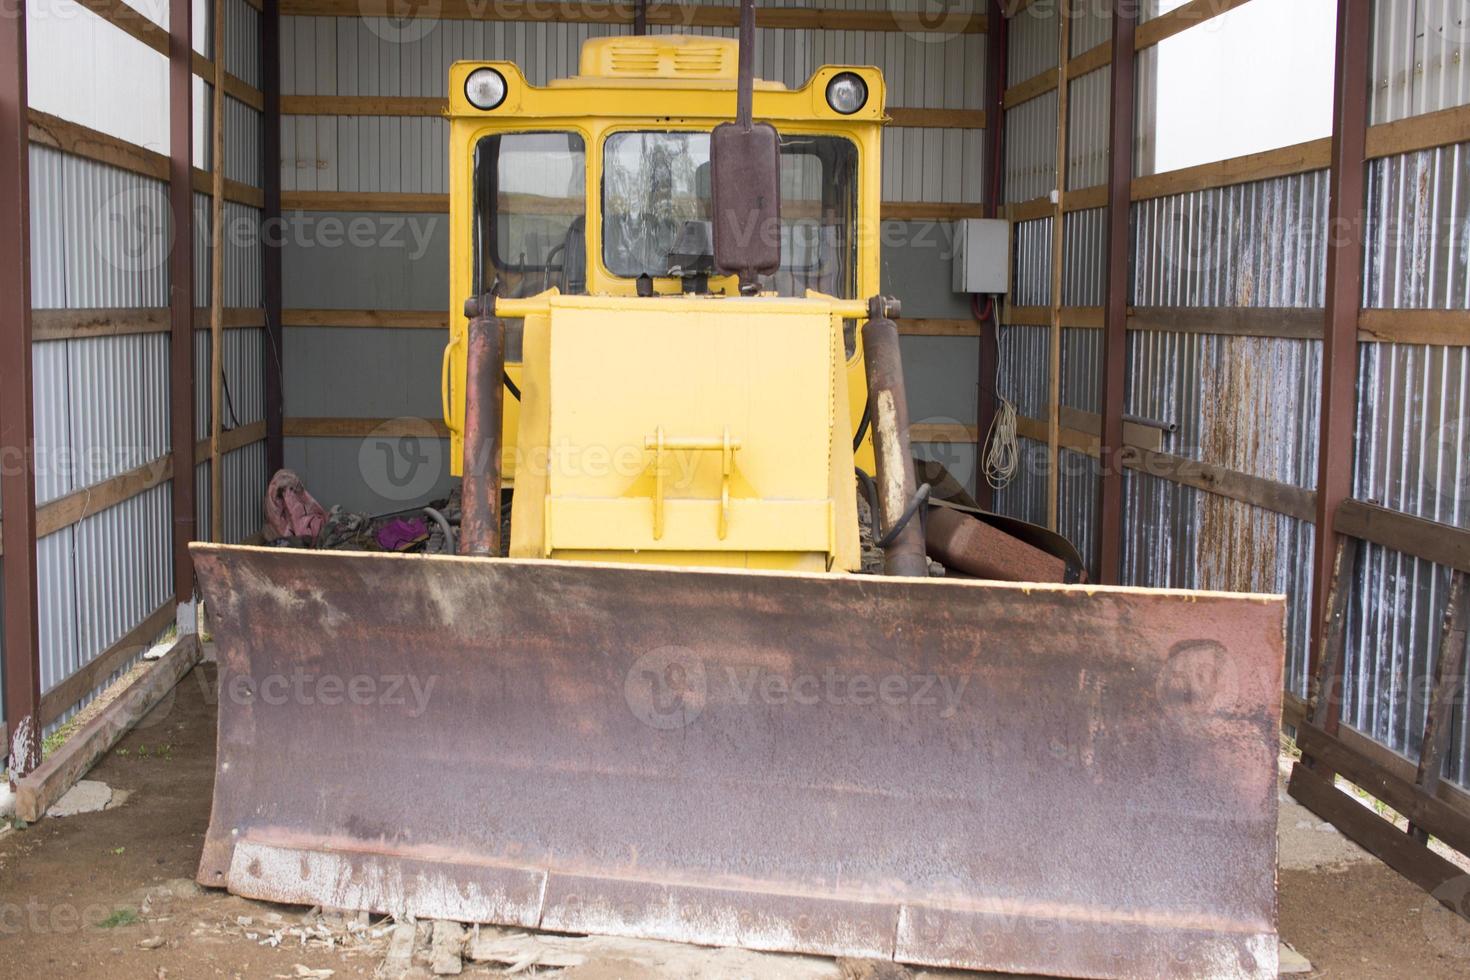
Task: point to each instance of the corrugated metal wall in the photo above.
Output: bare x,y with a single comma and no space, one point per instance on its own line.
100,240
1250,404
329,367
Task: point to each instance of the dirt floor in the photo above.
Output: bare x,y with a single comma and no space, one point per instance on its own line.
109,894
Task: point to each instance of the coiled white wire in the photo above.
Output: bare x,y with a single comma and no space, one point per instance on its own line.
1001,454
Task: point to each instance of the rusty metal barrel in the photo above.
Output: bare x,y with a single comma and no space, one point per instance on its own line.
897,485
484,412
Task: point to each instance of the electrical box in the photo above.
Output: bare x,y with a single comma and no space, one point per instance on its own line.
982,251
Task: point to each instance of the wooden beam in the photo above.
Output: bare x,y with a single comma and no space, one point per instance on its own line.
1032,210
1439,717
400,319
1096,57
942,432
138,640
1442,544
35,792
76,324
1296,159
1447,328
1289,323
1086,199
1058,260
1033,87
1425,810
1426,132
368,201
357,428
1279,498
1180,19
271,246
1377,836
428,107
936,118
938,327
233,439
660,14
80,504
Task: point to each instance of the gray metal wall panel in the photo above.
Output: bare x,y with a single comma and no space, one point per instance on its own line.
1031,149
1421,57
242,143
123,570
245,480
1077,504
1089,102
52,426
1024,356
1032,42
242,41
404,264
115,237
940,373
1418,213
1394,625
56,601
372,475
1084,257
48,249
118,389
368,56
362,373
1024,497
916,267
1031,263
1082,368
1092,25
1258,244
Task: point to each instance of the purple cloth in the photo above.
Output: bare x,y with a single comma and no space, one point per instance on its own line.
400,533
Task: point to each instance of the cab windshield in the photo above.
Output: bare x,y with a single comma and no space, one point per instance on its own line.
656,210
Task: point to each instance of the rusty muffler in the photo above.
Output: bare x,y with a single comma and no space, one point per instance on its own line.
1042,779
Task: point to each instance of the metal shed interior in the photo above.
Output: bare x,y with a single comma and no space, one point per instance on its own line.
1245,374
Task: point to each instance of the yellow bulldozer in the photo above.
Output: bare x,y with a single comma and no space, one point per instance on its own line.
672,702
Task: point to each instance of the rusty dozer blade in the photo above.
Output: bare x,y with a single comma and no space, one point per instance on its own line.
1048,779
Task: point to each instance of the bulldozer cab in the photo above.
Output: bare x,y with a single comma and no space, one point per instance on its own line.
600,185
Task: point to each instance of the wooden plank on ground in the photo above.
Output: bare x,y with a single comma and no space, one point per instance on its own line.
1377,836
137,640
35,792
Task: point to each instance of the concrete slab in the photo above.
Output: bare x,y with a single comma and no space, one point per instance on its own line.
87,796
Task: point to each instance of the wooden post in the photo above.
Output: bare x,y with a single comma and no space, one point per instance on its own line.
1449,667
271,241
217,284
22,655
1054,387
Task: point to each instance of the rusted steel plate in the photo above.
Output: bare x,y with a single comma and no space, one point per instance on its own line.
1024,778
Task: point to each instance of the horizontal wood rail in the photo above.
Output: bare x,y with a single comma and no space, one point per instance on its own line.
82,141
80,324
137,641
140,28
439,320
1446,328
1032,88
1442,544
1181,19
420,107
359,428
660,14
414,203
231,439
64,512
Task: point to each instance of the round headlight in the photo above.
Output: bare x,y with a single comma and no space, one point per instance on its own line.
847,93
485,88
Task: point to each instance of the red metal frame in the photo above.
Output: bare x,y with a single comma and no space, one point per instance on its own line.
270,216
181,290
1346,229
22,656
1115,324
